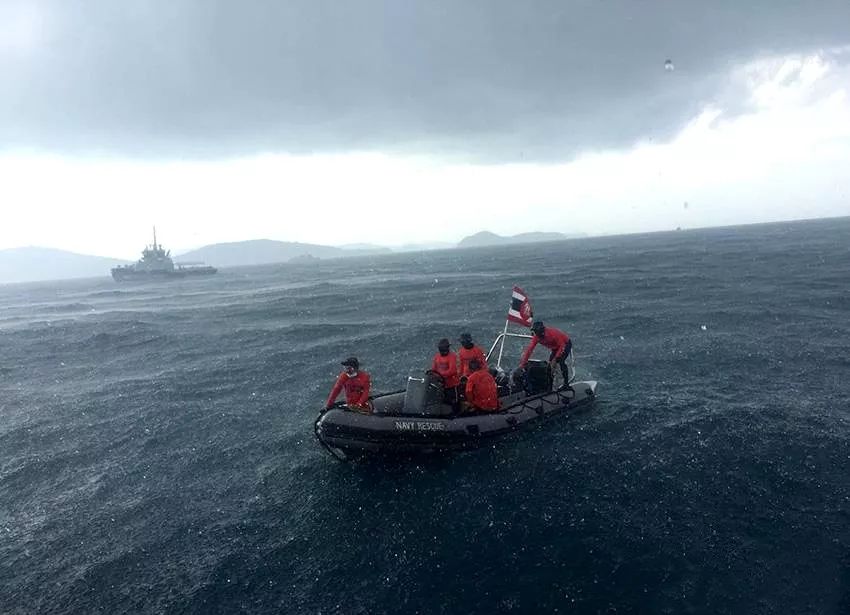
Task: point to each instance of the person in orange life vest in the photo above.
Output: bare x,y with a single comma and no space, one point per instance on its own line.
356,384
555,340
445,364
481,391
468,352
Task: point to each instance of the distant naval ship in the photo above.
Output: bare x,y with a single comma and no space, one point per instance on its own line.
156,264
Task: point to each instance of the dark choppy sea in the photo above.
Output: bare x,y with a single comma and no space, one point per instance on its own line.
157,454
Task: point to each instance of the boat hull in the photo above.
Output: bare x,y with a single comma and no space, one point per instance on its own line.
126,274
349,434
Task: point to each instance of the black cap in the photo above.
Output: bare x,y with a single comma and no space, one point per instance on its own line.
351,362
465,338
443,343
538,327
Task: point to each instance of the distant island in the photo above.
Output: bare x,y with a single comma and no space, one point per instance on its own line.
486,238
33,264
406,247
304,258
268,251
41,264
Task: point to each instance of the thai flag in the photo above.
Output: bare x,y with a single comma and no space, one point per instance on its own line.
520,310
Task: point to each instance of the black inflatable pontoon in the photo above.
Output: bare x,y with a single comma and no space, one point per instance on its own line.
416,420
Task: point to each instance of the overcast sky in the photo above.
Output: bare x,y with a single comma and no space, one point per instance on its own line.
392,122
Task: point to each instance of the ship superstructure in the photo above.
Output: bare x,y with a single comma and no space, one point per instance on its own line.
156,263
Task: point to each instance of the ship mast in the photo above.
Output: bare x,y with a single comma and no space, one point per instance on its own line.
154,238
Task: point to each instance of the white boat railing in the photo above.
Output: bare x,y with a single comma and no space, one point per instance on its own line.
500,341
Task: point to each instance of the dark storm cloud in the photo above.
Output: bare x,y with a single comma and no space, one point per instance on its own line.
498,80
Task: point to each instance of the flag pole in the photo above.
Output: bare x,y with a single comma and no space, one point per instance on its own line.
502,346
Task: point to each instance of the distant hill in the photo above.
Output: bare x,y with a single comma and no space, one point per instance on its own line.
304,258
33,264
366,248
486,238
263,252
406,247
422,247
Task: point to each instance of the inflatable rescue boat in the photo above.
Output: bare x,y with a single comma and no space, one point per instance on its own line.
416,420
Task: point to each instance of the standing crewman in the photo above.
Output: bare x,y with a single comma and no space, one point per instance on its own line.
555,340
356,384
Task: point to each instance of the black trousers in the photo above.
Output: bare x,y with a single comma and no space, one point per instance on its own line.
561,360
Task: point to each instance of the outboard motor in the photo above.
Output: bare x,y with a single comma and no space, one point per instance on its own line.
538,377
424,395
